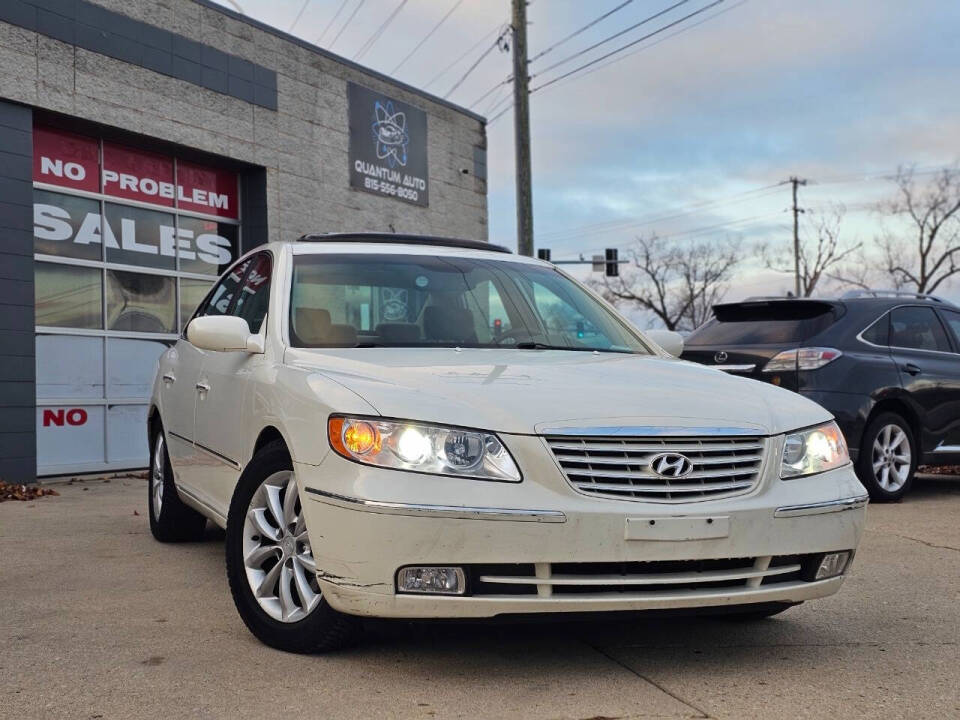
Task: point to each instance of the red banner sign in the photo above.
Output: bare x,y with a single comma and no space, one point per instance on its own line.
73,161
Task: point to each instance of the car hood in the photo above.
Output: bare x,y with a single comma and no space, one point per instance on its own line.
529,391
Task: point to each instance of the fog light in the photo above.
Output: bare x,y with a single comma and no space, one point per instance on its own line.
832,564
435,580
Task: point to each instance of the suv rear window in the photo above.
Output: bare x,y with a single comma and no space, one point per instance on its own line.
773,323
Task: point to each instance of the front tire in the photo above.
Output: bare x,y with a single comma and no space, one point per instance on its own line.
888,458
270,561
170,519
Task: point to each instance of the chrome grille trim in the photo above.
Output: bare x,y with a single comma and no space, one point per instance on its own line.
619,466
675,578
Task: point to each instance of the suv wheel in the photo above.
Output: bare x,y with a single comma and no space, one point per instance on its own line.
270,562
887,458
170,519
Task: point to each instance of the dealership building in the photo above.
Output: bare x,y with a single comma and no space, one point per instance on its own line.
146,144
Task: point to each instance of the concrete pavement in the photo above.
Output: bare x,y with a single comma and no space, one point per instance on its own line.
100,621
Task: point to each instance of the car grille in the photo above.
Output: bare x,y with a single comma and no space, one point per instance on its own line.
648,579
620,467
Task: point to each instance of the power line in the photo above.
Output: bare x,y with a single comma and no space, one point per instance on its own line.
683,29
490,92
607,39
299,15
473,67
427,36
332,21
549,83
624,47
684,211
579,30
456,62
349,20
379,31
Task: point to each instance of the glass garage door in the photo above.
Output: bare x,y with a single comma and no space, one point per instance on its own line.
126,244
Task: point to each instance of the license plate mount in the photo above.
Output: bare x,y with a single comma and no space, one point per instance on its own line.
678,529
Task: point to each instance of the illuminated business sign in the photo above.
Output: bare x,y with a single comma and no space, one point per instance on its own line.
388,146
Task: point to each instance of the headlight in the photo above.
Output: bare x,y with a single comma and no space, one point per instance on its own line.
815,450
418,447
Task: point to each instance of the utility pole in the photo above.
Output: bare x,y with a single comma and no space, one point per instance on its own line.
521,123
795,181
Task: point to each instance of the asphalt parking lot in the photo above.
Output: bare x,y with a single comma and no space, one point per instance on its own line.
100,621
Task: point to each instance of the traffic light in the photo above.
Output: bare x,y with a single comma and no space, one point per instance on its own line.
497,327
580,328
612,263
544,254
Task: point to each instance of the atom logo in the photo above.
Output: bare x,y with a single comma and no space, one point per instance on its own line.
390,134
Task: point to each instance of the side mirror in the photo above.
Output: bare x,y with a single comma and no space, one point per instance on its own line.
223,333
669,340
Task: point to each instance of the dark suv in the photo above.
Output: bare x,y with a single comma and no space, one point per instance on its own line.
886,364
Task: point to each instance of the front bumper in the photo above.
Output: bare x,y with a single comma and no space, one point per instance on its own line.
366,523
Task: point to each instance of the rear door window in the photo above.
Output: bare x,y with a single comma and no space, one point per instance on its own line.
773,323
917,328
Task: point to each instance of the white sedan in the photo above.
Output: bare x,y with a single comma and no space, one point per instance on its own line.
409,427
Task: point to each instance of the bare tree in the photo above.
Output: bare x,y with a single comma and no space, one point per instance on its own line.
818,255
677,282
928,253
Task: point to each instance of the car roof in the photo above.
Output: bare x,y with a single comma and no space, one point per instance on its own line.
403,239
865,302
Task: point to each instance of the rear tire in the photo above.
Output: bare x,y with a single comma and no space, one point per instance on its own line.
170,519
888,458
267,546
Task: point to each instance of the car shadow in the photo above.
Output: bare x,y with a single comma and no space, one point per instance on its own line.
930,486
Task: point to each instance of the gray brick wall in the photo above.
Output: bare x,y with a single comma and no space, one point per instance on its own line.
302,145
18,441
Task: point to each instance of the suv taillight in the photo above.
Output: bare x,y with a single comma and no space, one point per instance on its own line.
802,359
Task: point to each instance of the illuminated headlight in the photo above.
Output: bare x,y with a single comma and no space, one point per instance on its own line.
815,450
417,447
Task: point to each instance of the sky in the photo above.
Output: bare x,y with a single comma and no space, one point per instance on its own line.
686,134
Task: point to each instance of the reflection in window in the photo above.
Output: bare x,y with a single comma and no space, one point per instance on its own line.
221,298
135,236
192,293
140,303
917,328
68,296
206,246
66,225
255,293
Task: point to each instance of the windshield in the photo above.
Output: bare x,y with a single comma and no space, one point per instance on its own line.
426,301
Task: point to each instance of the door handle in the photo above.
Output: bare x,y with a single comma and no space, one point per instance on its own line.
911,369
203,387
169,377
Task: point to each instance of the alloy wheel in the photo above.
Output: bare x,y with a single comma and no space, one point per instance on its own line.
156,475
891,458
277,555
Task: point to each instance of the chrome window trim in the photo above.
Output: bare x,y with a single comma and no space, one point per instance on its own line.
653,430
819,508
438,511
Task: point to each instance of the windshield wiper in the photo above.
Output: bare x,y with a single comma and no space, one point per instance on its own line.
532,345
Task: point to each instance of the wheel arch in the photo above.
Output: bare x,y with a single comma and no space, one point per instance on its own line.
268,434
902,408
153,421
